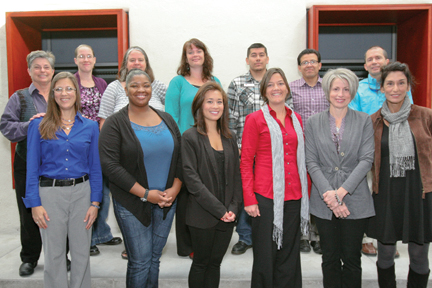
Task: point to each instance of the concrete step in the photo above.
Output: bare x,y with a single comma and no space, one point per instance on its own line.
109,270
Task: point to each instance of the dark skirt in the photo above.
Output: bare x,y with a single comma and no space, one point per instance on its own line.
401,213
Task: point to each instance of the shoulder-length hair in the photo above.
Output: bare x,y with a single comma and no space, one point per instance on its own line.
184,68
51,122
266,79
222,122
124,71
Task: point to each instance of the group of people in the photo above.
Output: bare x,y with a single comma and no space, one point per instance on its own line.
287,162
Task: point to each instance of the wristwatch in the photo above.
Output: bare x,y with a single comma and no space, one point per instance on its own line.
144,199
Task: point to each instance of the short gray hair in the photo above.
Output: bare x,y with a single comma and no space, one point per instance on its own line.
40,54
135,72
340,73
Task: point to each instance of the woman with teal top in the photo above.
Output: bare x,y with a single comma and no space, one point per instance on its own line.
195,69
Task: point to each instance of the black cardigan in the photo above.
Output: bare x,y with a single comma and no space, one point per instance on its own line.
122,161
204,210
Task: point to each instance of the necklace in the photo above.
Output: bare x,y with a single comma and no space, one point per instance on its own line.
67,120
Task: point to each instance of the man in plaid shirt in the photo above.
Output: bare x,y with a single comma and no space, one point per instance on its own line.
243,99
309,99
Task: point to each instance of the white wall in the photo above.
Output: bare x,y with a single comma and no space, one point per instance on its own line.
161,27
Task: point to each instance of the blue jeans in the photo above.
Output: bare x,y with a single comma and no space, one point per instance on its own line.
144,244
244,229
101,229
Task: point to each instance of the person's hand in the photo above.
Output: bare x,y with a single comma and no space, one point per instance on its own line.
37,116
160,198
91,215
252,210
330,199
341,211
341,193
229,217
171,193
39,215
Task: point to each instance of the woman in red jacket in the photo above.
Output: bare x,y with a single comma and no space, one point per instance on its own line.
275,186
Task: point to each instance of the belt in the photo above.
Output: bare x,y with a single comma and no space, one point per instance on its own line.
48,182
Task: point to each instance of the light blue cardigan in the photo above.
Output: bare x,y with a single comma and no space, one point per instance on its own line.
330,170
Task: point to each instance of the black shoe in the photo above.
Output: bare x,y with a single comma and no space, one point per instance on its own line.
304,246
316,247
27,269
68,264
113,241
240,247
94,250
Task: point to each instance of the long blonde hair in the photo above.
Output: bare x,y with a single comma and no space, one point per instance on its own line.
51,122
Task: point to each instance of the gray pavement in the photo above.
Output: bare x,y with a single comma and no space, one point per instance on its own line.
109,270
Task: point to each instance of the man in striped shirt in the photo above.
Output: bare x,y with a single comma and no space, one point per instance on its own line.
308,99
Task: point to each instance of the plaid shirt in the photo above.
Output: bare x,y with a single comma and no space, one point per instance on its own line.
308,100
244,98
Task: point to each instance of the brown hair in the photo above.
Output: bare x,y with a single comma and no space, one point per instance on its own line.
222,122
266,79
51,122
123,69
394,67
183,69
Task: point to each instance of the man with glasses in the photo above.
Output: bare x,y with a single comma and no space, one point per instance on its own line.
370,99
308,99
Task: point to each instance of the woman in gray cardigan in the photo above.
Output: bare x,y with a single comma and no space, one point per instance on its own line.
339,153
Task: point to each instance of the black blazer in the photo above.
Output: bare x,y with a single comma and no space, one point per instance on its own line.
122,161
204,210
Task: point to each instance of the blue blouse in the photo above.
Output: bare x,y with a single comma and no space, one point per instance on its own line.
158,146
69,156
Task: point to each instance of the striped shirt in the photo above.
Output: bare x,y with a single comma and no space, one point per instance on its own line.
308,100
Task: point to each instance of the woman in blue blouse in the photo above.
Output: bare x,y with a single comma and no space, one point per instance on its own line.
196,66
62,156
140,154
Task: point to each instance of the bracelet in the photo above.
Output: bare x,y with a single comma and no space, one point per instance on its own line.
94,205
337,199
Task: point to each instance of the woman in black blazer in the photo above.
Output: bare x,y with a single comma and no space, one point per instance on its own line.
211,172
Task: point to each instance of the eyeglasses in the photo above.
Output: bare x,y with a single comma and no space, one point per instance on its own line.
88,56
68,90
305,63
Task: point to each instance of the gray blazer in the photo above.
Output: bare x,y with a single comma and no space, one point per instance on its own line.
330,170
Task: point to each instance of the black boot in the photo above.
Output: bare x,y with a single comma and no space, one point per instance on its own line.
386,277
416,280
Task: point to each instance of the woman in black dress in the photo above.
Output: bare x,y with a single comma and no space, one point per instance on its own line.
402,178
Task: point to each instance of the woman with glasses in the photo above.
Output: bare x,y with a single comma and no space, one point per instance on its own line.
92,89
64,182
339,153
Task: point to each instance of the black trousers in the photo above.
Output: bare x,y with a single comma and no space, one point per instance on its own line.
341,244
210,246
273,268
183,237
31,242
